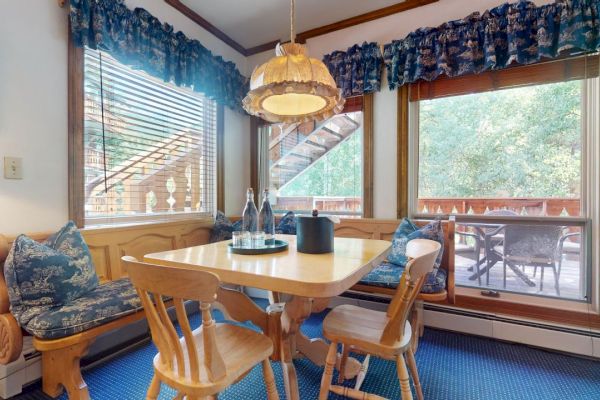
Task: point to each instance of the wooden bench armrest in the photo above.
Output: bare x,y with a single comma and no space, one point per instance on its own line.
11,337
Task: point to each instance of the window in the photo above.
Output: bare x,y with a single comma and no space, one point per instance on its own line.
505,153
317,165
149,147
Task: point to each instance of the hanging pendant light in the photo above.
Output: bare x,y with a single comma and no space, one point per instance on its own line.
293,87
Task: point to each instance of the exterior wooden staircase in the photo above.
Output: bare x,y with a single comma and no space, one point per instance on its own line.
294,147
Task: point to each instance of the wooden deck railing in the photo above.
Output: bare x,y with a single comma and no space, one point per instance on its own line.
335,204
551,207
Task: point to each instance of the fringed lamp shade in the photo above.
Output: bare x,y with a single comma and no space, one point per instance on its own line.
293,87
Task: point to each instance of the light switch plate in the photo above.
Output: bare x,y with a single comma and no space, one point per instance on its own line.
13,167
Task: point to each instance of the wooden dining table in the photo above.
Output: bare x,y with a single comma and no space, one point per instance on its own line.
304,283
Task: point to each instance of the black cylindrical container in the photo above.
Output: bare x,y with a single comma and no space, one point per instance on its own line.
314,234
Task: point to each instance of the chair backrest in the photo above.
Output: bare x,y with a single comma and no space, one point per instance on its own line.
154,281
532,241
422,254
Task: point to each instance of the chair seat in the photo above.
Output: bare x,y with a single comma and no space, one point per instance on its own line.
107,302
388,275
525,259
242,348
362,328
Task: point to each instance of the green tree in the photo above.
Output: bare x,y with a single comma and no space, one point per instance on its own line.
522,142
337,173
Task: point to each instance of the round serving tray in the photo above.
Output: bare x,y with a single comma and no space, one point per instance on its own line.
275,247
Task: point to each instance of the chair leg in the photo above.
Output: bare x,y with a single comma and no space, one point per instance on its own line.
328,373
542,279
487,272
478,261
154,389
412,366
269,380
504,265
343,362
559,264
403,378
556,276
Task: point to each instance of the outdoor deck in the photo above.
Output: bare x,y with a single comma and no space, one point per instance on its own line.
569,281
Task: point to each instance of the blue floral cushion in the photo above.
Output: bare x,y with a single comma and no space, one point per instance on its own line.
107,302
388,275
48,274
223,228
69,241
408,231
287,224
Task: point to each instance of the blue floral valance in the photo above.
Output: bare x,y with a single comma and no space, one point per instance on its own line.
519,33
136,38
357,70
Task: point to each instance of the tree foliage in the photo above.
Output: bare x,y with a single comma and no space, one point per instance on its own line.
522,142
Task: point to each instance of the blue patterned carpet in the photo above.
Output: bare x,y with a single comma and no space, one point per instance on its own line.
451,366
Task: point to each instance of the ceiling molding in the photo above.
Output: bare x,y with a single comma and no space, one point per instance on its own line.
262,47
361,19
303,36
194,16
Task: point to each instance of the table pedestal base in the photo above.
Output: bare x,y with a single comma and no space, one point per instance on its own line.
281,322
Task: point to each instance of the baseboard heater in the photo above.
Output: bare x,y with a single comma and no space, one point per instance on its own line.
479,315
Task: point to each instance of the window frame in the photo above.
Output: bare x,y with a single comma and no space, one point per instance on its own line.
368,153
76,195
583,313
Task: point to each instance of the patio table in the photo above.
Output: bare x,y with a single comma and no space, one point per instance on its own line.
486,233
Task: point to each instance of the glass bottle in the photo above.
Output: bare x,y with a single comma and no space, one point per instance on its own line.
266,219
250,215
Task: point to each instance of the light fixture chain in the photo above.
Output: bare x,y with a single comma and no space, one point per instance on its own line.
292,21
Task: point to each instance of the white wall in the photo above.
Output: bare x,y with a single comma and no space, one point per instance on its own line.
383,31
33,112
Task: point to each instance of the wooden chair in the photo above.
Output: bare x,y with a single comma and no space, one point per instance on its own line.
385,335
194,364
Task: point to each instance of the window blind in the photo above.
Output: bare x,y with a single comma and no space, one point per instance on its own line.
523,75
149,146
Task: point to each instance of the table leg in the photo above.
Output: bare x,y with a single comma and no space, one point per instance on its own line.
520,274
239,307
294,313
316,351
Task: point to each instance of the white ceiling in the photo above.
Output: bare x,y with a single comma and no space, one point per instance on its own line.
254,22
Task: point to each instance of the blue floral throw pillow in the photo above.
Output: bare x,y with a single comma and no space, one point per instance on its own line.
70,242
223,228
408,231
49,274
287,224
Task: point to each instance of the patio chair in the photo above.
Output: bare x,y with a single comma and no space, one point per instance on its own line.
531,245
566,246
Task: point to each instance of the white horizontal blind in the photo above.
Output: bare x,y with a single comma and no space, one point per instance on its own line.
149,147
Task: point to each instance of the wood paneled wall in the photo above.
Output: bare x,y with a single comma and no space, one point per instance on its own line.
108,245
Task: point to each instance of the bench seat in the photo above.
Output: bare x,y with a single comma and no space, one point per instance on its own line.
387,275
109,301
383,280
64,334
